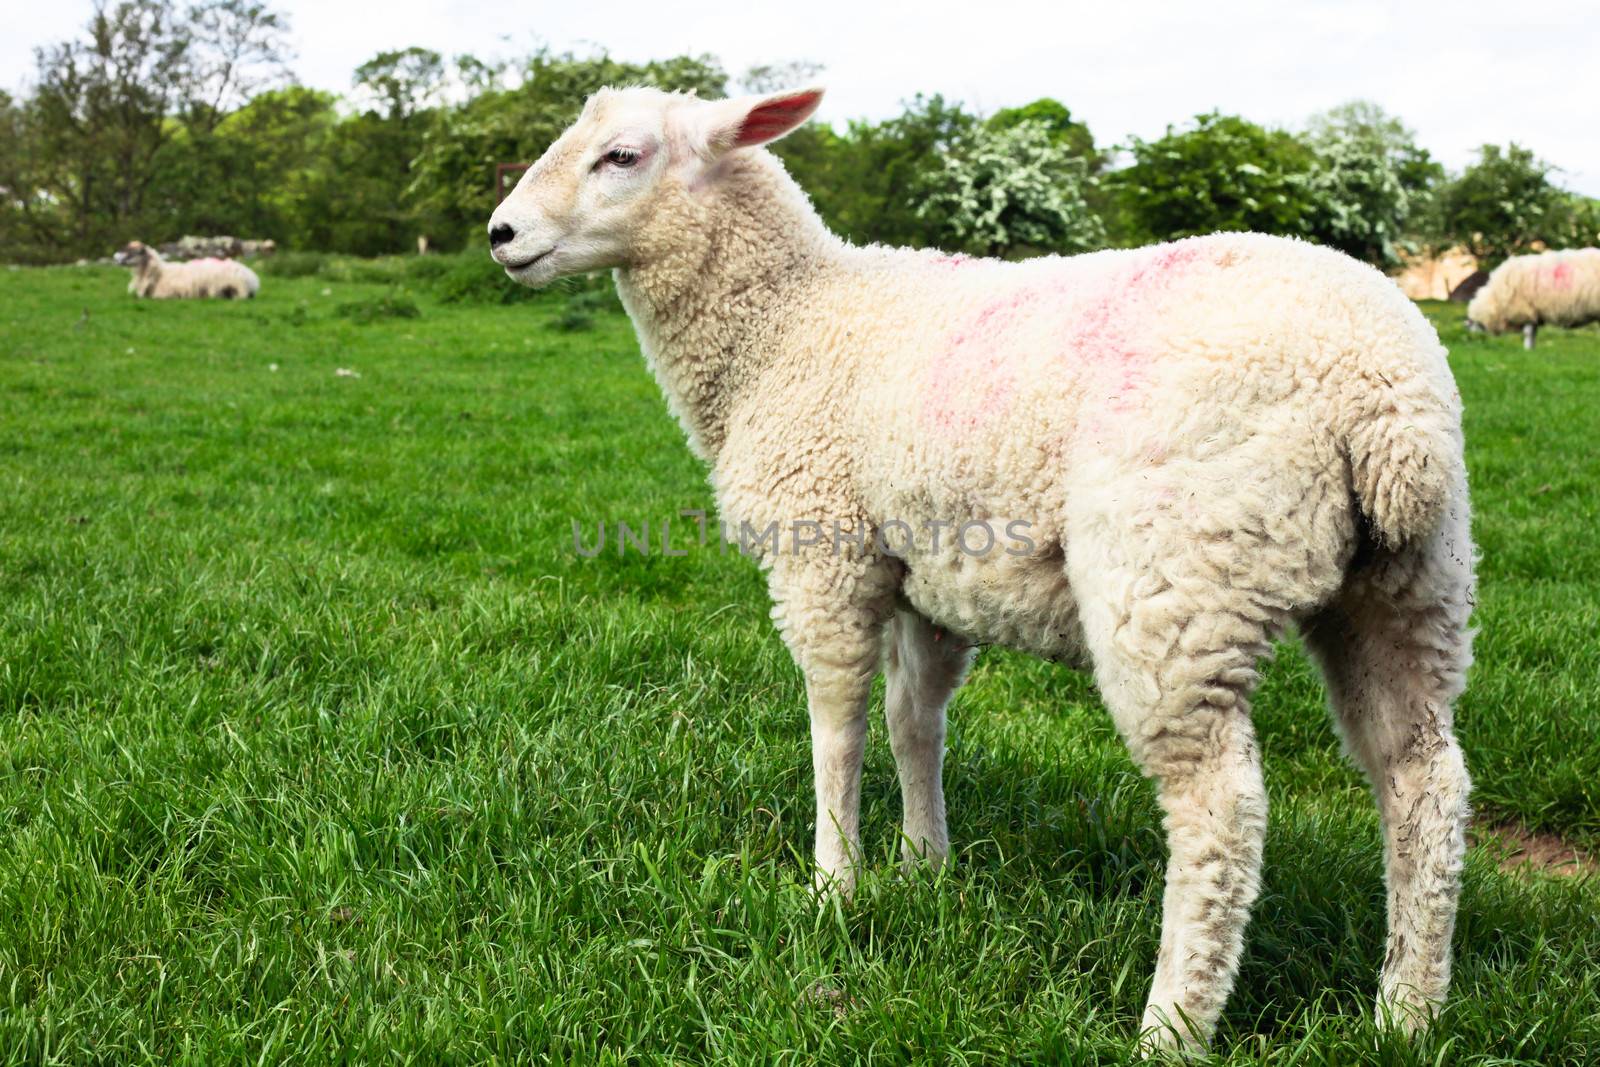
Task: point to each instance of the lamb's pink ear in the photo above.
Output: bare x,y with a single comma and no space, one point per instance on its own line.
753,120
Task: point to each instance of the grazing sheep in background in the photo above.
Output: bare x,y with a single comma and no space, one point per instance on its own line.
156,278
1552,288
1203,443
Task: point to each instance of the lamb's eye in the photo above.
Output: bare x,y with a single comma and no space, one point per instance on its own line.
622,157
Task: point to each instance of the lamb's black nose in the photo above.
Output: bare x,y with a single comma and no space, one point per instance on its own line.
499,235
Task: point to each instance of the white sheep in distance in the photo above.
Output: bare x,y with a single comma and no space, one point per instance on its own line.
156,278
1552,288
1205,443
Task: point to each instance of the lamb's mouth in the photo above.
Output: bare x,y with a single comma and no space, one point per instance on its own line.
525,264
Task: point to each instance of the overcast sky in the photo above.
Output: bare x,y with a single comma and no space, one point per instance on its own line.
1461,72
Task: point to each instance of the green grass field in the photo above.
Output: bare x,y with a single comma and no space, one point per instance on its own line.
319,743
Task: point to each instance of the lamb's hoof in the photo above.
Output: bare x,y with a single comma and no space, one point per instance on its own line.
1405,1012
926,863
1165,1046
1161,1039
830,886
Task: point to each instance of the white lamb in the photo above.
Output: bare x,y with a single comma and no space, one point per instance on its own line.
1203,443
156,278
1555,288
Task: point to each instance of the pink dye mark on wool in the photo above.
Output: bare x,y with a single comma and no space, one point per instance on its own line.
1101,339
1162,263
956,259
1560,276
973,379
1106,334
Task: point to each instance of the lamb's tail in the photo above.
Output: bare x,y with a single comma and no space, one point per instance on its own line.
1402,433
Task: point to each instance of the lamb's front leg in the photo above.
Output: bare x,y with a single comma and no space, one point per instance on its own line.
832,613
837,696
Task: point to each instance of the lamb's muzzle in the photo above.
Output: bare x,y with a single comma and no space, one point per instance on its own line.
1211,441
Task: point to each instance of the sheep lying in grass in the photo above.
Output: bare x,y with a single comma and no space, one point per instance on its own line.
155,277
1196,446
1554,288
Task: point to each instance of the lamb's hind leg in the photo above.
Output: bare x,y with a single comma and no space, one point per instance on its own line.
1176,662
925,667
1395,650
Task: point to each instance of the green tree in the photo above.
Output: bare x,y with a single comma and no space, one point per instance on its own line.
1583,230
237,48
1502,205
1223,173
101,123
99,117
1370,182
479,76
358,199
403,81
1057,121
1364,124
28,223
255,173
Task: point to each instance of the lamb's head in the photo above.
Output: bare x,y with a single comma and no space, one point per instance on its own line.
1484,313
629,159
134,254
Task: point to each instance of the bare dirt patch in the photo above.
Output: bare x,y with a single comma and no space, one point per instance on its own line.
1524,851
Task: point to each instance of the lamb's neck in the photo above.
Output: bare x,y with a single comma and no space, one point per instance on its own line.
732,262
148,274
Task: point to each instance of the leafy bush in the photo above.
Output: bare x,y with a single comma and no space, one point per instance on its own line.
580,308
1011,190
293,264
1357,203
383,270
474,278
429,268
1057,120
380,270
1369,183
388,306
